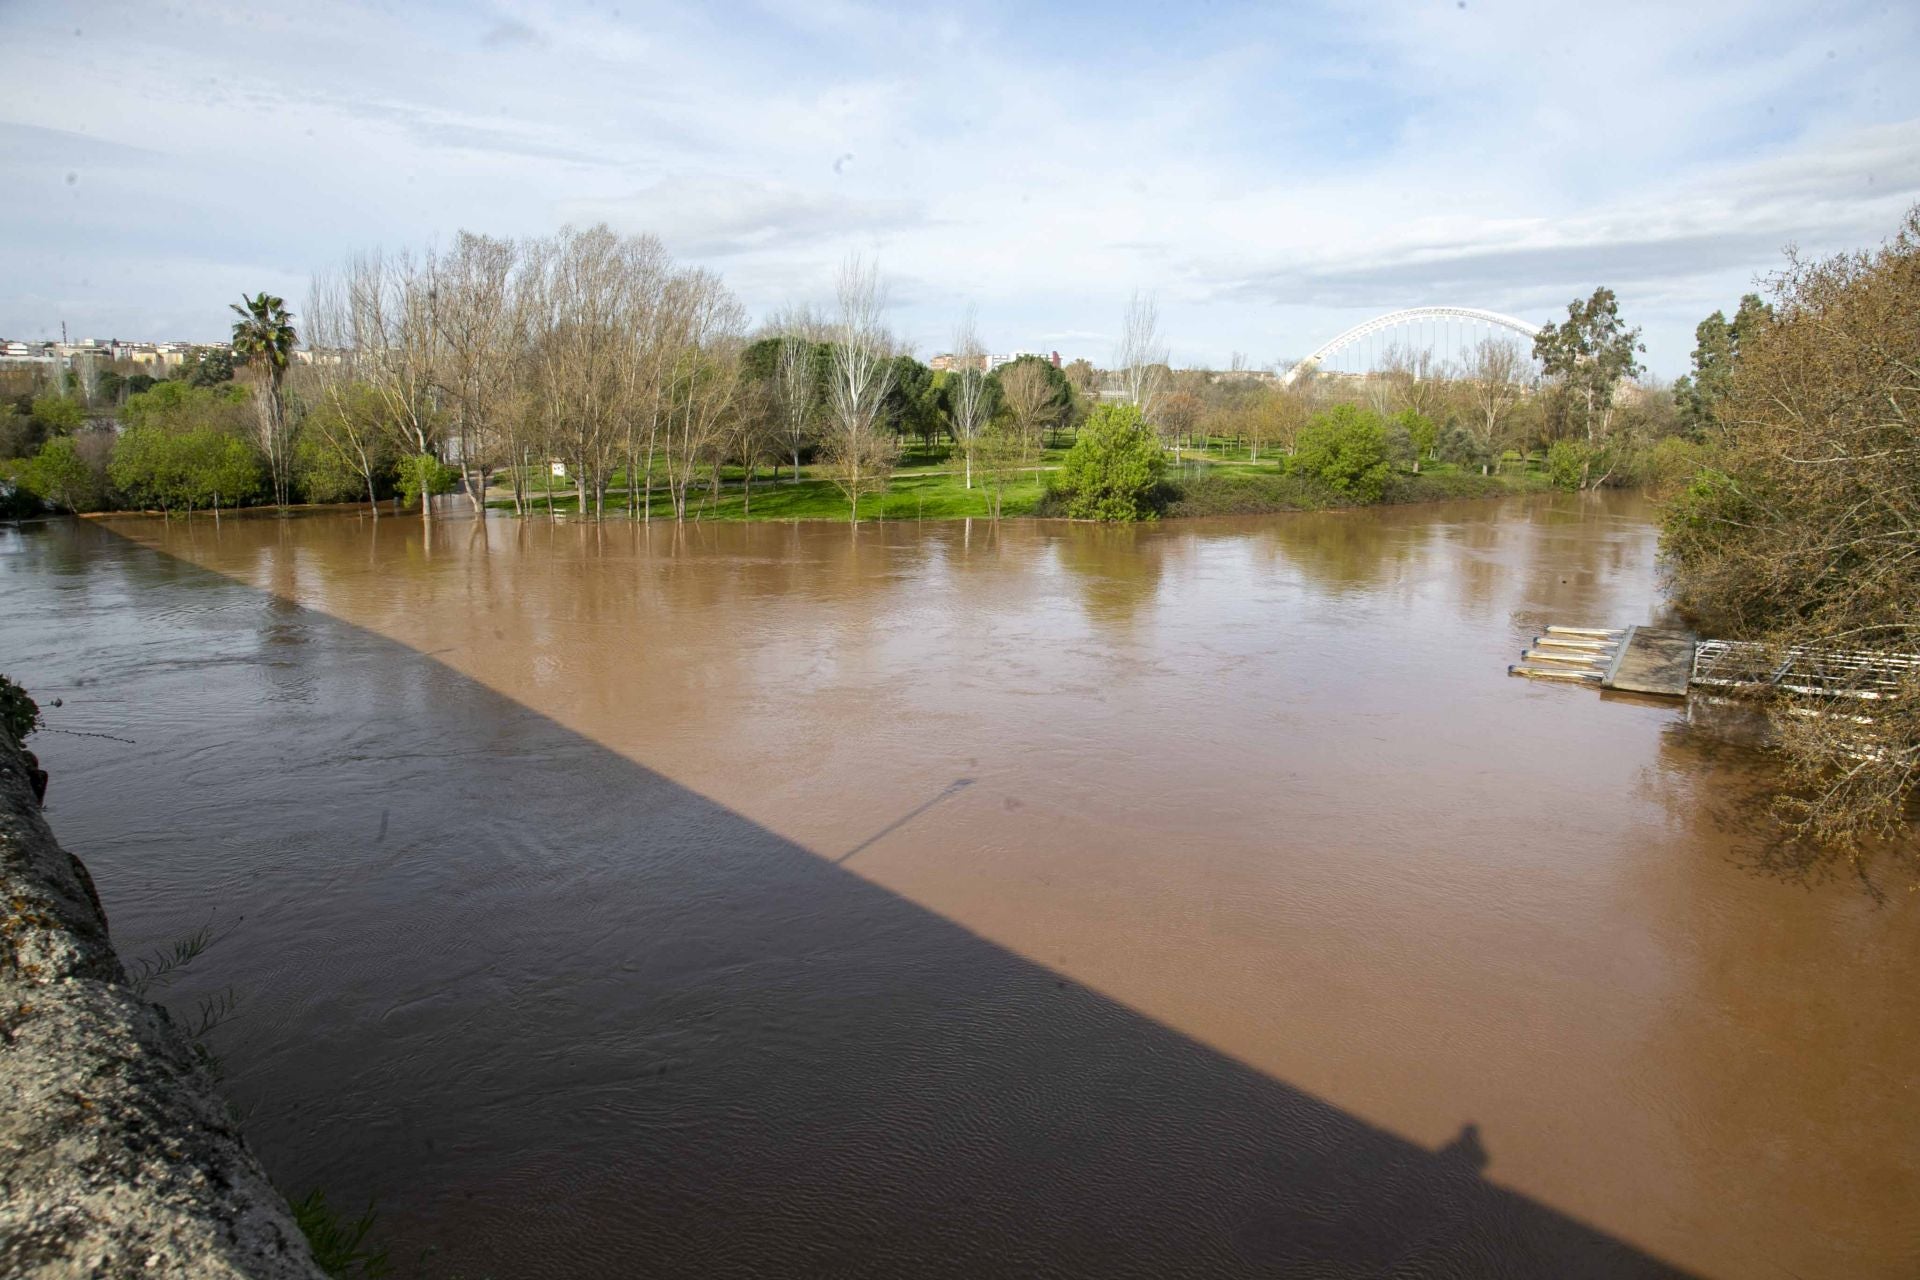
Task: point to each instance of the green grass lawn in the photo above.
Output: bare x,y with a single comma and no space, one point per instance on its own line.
911,496
928,485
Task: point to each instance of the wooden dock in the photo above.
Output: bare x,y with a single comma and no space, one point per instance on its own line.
1652,660
1665,663
1632,659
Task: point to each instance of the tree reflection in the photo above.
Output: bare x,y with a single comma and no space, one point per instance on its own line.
1116,568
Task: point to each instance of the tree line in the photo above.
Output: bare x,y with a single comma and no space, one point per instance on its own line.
1799,527
591,361
505,362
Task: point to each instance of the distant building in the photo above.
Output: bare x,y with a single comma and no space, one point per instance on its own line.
62,355
995,361
946,361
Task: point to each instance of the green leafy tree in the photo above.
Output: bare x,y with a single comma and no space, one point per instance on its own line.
179,471
179,406
1462,446
222,470
1568,463
421,474
1114,470
62,477
211,366
1346,447
1588,355
264,338
1716,348
1419,433
324,472
57,415
145,468
913,404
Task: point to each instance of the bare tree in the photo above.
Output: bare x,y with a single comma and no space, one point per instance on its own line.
795,385
860,453
388,346
341,410
642,334
1413,380
752,435
1494,375
969,408
1181,407
476,318
577,290
1141,358
1028,396
705,381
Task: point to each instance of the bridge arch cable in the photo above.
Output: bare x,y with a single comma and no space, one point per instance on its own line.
1411,317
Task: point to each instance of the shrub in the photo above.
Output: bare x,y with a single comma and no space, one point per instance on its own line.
1239,494
1114,470
1415,433
58,474
324,473
1672,464
58,415
423,471
19,713
1346,447
1461,446
1567,464
197,468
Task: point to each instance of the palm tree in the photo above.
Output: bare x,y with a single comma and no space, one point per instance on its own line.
264,334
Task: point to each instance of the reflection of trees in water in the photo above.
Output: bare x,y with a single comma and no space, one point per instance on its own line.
1479,559
1116,568
1341,551
1574,543
1789,1049
1716,773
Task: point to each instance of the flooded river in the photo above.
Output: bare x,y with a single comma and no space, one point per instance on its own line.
935,899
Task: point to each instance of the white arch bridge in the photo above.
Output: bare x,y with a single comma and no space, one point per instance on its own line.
1448,331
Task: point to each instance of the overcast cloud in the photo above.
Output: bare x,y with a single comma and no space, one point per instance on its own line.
1271,173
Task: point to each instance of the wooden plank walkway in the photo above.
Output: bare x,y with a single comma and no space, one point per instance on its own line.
1632,659
1664,662
1578,654
1652,660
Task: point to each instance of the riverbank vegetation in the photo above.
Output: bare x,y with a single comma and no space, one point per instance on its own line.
1800,525
587,374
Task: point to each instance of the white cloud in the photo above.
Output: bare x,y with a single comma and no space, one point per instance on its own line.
1271,174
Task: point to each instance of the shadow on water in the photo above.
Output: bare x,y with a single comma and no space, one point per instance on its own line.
565,1017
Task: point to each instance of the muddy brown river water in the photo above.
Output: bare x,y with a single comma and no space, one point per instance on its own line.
942,900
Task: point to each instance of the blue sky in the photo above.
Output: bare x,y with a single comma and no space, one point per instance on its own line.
1270,173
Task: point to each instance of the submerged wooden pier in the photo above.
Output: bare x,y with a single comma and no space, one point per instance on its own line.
1633,659
1665,662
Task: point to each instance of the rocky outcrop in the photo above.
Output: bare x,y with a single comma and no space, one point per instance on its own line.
117,1155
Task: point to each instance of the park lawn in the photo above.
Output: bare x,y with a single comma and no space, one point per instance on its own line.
909,497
